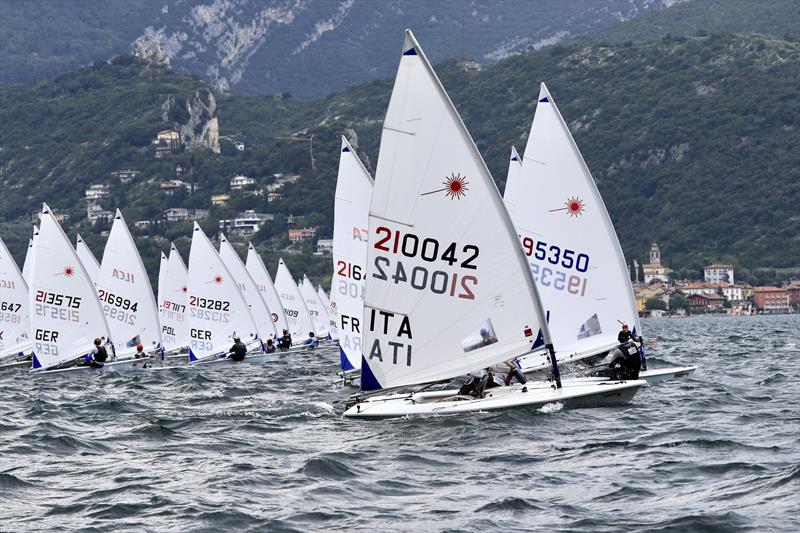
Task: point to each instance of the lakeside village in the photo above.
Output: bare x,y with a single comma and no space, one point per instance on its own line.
657,291
659,294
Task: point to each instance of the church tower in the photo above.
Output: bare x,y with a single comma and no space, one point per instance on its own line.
655,255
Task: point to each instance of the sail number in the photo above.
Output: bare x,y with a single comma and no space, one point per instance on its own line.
169,305
555,255
7,284
428,249
8,306
349,270
205,303
50,298
117,301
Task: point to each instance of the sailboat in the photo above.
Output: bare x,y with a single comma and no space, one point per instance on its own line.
350,237
333,332
294,306
26,266
66,313
264,283
123,287
570,245
173,301
217,308
15,323
87,258
448,289
258,307
319,317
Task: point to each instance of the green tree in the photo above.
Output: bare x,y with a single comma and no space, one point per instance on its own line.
655,303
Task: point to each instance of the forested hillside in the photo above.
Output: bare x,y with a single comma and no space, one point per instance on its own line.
693,143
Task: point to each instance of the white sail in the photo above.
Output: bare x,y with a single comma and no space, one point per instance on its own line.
258,307
448,288
15,322
263,281
569,240
26,266
330,312
294,307
87,258
66,315
173,300
350,235
217,308
124,289
319,317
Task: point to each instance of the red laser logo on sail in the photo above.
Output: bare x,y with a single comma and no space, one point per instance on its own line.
68,271
217,279
575,207
455,187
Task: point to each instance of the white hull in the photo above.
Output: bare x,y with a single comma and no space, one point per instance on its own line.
252,359
531,395
657,375
114,366
15,364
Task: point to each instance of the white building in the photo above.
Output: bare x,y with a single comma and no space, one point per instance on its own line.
177,214
97,191
325,246
94,213
718,273
245,225
240,182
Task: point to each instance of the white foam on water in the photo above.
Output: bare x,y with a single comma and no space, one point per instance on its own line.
550,408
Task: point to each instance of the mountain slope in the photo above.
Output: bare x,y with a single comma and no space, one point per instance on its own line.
687,150
306,47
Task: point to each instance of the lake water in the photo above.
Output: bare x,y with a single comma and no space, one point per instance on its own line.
264,448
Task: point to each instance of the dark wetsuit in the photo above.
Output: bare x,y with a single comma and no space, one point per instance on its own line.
625,362
475,386
238,351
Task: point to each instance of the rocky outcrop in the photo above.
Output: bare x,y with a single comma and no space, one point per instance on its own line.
195,119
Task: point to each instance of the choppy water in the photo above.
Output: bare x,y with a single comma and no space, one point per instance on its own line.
265,448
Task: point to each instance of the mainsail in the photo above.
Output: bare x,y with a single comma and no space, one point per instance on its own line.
87,258
15,322
293,304
217,308
568,239
173,300
66,315
330,312
264,283
319,317
258,307
26,266
448,290
350,237
124,289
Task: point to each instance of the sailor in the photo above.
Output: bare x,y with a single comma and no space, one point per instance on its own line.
140,352
312,341
270,347
99,354
238,350
514,373
285,340
624,361
476,385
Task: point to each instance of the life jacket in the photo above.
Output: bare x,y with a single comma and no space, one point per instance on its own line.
102,355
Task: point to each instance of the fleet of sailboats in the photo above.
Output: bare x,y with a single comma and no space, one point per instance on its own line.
435,277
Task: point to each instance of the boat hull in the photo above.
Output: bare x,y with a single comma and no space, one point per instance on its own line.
532,395
113,366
